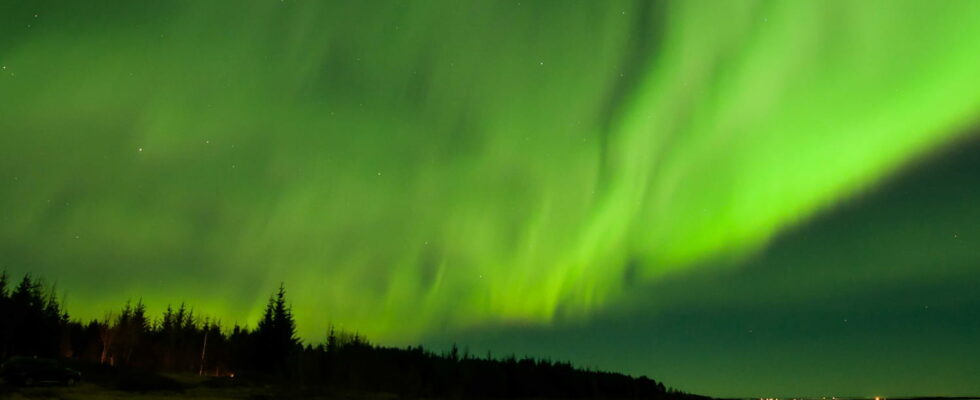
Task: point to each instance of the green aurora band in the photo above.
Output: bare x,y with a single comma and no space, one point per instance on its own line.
411,167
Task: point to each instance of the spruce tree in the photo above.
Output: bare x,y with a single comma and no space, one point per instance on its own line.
276,339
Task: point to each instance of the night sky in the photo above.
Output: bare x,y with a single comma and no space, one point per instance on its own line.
739,198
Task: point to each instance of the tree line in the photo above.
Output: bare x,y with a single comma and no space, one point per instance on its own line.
34,323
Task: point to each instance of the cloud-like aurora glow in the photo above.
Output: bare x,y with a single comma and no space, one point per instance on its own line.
410,167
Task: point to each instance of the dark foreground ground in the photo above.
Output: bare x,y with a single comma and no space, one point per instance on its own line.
100,381
177,387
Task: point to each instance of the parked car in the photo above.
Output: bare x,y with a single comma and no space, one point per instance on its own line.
31,371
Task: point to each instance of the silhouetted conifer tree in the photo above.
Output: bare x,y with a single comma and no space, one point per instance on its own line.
6,320
276,339
180,341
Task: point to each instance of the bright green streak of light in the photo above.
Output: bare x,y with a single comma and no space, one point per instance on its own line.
416,167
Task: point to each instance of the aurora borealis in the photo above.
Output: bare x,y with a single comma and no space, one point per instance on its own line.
450,170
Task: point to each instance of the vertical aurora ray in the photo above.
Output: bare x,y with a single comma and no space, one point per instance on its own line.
783,109
415,167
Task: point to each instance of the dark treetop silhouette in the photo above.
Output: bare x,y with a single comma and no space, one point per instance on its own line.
34,323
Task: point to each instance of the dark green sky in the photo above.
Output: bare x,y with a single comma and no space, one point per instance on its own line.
879,296
739,198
